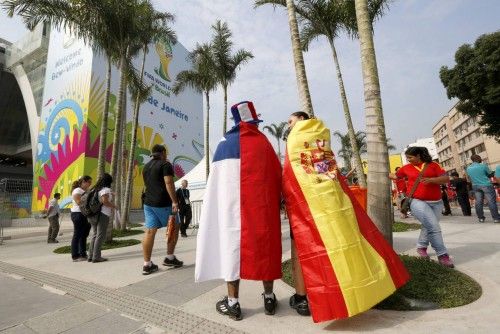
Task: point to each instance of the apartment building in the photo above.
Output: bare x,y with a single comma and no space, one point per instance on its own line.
458,137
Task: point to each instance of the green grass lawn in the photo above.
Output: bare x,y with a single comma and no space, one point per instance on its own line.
430,283
126,233
106,245
403,227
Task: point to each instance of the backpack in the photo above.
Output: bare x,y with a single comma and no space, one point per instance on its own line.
90,205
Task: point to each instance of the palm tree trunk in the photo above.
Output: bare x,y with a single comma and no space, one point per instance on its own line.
207,137
298,59
116,142
118,120
131,157
224,125
123,153
379,185
101,162
350,128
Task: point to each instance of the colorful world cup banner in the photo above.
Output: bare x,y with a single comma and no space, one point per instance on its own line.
72,109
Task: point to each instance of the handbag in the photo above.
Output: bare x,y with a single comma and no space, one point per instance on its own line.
406,201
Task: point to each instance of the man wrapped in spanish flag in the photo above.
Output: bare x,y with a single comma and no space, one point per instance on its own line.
346,266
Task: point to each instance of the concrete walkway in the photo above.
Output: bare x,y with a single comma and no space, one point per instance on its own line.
26,307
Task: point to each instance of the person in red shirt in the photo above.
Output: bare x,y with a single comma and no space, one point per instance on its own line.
426,203
399,192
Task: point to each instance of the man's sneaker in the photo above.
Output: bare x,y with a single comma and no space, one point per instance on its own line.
446,261
302,307
422,252
496,221
172,263
184,235
234,312
101,259
481,220
146,270
270,304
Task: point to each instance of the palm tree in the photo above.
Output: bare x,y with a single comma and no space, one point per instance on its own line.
226,63
346,152
155,25
379,197
298,57
328,18
202,79
277,131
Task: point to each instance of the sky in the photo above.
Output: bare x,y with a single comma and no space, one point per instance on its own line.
412,41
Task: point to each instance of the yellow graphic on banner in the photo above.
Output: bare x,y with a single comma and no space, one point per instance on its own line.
362,273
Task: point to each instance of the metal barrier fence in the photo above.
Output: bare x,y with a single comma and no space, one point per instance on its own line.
16,197
196,210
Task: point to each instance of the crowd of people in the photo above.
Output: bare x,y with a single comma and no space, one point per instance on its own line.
479,186
240,238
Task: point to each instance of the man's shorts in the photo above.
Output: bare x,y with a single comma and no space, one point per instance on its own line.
156,217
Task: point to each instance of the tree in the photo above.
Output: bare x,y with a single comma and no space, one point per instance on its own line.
379,185
329,18
298,57
154,25
475,81
277,131
346,152
202,79
226,64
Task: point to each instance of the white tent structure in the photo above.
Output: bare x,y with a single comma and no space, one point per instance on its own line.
196,180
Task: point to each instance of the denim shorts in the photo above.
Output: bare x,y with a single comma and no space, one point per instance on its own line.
156,217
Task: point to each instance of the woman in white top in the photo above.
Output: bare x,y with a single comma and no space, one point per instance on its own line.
100,221
80,223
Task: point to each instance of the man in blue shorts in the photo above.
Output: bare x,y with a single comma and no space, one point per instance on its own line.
160,202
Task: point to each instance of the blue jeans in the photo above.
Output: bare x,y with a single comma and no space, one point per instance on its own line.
428,214
489,192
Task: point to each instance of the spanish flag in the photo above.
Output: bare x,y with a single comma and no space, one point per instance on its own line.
348,266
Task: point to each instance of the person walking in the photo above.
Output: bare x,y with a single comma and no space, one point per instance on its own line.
81,226
479,175
424,179
400,187
53,213
100,221
160,202
446,201
461,189
185,211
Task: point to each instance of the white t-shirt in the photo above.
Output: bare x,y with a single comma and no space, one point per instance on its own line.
76,191
106,209
53,208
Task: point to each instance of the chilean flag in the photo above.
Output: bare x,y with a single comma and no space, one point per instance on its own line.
240,226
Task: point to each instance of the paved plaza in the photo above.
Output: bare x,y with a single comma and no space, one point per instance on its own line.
43,292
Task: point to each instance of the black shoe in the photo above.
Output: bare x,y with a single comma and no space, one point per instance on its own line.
481,220
146,270
89,259
184,235
234,312
101,259
270,304
302,306
172,263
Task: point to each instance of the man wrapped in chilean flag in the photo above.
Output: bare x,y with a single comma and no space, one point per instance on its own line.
347,265
240,227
